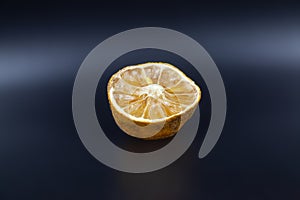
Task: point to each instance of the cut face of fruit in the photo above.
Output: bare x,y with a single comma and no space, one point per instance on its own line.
152,92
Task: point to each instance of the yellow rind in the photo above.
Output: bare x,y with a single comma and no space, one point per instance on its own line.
170,124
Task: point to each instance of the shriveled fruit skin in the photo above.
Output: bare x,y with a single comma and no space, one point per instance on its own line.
145,129
169,127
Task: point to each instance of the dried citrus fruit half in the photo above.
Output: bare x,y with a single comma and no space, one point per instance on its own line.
152,100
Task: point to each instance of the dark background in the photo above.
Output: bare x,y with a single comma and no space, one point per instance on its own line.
256,46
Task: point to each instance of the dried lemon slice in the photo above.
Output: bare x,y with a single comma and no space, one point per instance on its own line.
152,100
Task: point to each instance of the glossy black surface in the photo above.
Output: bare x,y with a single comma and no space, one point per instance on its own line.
256,47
